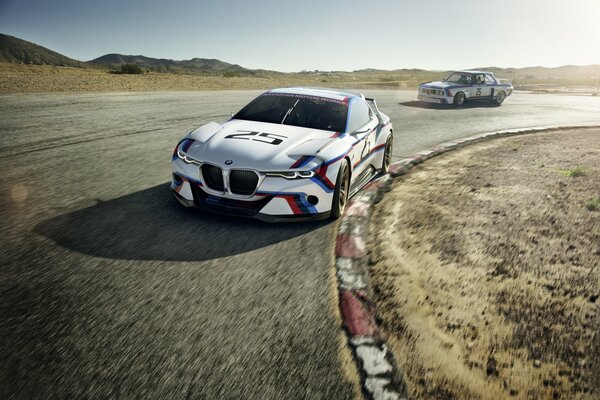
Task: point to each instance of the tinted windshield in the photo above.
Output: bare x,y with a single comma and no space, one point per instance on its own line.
297,110
459,78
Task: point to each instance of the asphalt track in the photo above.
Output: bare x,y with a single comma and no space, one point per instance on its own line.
109,289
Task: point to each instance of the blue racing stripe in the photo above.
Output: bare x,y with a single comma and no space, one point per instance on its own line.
299,199
318,181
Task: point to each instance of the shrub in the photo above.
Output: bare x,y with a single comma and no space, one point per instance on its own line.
131,69
575,172
593,204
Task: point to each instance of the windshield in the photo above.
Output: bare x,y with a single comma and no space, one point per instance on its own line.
459,78
298,110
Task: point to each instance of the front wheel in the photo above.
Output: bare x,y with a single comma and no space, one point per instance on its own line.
387,154
342,188
459,99
500,98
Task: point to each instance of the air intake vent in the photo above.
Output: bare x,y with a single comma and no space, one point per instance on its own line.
242,182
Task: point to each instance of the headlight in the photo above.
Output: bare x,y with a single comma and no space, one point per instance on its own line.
292,174
181,152
187,158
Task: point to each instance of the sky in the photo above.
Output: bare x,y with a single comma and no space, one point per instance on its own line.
318,34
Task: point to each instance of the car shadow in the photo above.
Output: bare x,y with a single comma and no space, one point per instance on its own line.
151,225
435,106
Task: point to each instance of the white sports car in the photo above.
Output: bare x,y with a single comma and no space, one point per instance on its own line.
294,153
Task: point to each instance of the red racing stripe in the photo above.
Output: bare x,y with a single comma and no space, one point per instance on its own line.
292,203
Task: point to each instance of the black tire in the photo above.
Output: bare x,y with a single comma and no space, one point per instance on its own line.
342,188
459,99
387,154
500,97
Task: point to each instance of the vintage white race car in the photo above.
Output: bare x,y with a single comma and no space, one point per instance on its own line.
461,86
294,153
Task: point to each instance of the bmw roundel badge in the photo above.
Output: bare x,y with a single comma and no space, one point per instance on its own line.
228,162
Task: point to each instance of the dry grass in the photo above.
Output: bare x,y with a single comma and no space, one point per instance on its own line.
17,78
21,78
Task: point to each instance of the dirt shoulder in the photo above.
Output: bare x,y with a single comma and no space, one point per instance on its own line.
15,78
486,267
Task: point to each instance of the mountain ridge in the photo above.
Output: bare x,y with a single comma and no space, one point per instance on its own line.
166,64
19,51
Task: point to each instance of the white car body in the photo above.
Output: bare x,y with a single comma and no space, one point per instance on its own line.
474,85
295,168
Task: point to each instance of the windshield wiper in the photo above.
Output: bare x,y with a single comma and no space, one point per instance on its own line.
289,111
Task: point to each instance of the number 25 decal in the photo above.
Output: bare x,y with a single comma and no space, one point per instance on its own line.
270,138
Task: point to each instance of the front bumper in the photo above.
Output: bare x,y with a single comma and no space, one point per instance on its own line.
435,99
216,205
276,198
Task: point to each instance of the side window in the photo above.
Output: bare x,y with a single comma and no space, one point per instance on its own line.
489,80
360,115
479,79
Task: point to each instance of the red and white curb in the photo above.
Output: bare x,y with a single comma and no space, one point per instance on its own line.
381,377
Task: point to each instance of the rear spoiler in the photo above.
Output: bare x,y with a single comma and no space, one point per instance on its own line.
373,104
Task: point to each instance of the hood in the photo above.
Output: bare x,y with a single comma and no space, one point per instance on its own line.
255,145
439,85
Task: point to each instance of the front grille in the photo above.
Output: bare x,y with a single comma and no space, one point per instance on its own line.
242,182
213,177
438,92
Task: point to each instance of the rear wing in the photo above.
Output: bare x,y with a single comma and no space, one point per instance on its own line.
373,104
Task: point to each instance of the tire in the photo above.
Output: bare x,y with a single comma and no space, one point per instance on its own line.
500,97
387,154
342,188
459,99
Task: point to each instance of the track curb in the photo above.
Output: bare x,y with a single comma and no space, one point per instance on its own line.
380,375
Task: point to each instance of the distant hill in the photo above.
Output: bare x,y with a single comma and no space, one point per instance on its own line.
19,51
168,65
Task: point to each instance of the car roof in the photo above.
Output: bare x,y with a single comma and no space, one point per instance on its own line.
473,72
337,94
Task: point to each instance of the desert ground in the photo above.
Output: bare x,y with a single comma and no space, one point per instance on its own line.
485,263
25,78
18,78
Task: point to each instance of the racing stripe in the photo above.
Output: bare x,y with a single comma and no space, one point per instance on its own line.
302,161
335,159
292,203
377,148
322,180
185,145
297,201
373,151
